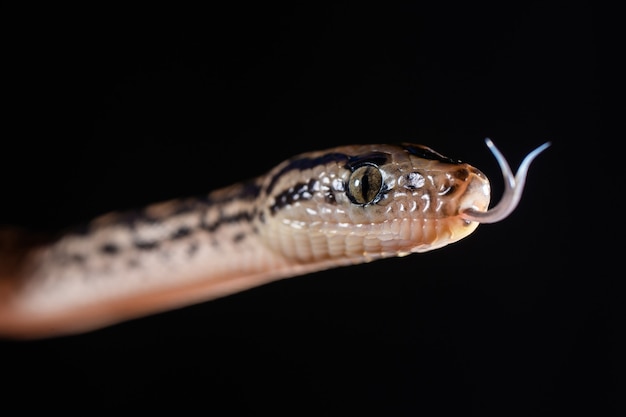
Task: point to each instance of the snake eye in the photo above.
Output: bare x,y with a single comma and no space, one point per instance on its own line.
365,184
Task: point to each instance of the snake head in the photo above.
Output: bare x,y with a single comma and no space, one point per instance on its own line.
372,201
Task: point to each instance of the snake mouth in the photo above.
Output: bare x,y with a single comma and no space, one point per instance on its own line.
513,188
477,194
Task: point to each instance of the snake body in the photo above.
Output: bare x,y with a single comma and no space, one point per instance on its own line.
317,210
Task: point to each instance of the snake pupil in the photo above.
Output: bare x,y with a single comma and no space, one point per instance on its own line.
365,184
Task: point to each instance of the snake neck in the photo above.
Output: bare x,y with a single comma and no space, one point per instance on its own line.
157,258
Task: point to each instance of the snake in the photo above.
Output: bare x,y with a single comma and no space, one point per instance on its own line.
318,210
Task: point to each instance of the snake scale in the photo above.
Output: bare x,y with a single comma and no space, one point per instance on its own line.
317,210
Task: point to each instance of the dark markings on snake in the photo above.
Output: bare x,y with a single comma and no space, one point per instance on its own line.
239,237
427,153
300,164
374,158
299,192
109,249
224,219
250,190
181,232
146,245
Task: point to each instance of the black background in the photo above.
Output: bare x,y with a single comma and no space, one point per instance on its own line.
115,108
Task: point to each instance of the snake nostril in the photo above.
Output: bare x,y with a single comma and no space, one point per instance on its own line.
461,174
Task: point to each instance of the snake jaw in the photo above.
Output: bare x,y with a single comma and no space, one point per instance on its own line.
513,187
476,196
